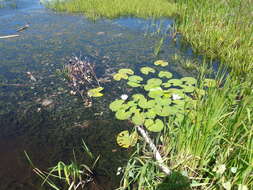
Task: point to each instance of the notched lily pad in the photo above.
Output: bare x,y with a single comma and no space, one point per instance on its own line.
189,80
119,76
95,92
116,105
123,115
165,74
154,126
147,70
161,63
133,84
126,140
126,71
138,118
175,82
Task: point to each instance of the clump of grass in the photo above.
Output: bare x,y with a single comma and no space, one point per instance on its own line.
117,8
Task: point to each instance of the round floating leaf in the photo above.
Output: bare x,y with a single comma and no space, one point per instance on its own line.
147,70
134,110
200,92
138,118
163,101
143,103
152,126
133,84
150,114
165,111
165,74
126,71
155,82
161,63
120,76
155,92
95,92
209,83
189,80
125,140
166,84
137,97
116,105
175,82
123,115
131,103
135,78
187,89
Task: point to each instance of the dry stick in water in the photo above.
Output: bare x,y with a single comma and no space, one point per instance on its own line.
156,153
9,36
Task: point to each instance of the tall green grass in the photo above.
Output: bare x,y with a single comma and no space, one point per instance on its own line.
219,29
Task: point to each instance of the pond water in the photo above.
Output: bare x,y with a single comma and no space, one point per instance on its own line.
50,133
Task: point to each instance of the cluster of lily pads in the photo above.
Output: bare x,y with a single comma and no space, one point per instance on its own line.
163,97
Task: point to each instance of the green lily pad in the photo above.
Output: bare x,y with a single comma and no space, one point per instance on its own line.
187,89
135,78
125,140
116,105
166,84
165,111
155,81
137,97
189,80
133,84
143,103
163,101
95,92
151,114
155,92
119,76
210,83
138,118
175,82
161,63
152,126
126,71
123,115
132,103
147,70
165,74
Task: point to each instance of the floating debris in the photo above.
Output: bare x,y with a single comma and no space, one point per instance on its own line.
31,76
23,28
47,102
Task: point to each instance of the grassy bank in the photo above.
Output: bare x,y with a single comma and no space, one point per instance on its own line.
219,29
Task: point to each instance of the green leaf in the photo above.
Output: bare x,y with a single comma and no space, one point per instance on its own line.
143,103
163,101
161,63
138,118
189,80
126,71
165,74
123,115
95,92
133,84
175,82
116,105
125,140
188,89
132,103
165,111
147,70
150,114
155,92
152,126
120,76
155,81
137,97
135,78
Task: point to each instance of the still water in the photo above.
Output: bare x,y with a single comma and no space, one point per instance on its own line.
50,133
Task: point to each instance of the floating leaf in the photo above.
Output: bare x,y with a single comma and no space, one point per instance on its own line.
165,111
155,92
138,118
116,105
132,103
163,101
143,103
150,114
95,92
209,83
166,84
147,70
126,71
137,97
123,115
152,126
155,81
165,74
120,76
135,78
189,80
133,84
175,82
161,63
125,140
187,89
